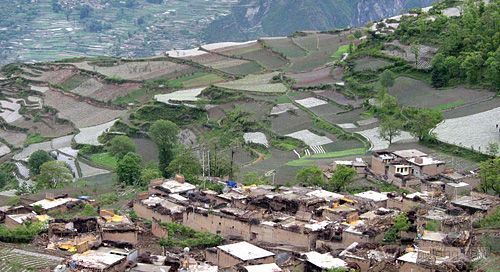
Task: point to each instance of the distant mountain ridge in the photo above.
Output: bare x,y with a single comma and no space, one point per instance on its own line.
251,19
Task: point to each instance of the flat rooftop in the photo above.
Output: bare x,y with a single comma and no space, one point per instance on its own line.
324,261
48,204
409,153
373,196
245,251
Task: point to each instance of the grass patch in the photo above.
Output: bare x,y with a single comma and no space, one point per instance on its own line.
450,105
34,139
307,161
286,144
200,79
491,221
105,159
454,150
342,50
180,236
282,99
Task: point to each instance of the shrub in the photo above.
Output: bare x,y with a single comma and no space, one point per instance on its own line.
22,234
182,236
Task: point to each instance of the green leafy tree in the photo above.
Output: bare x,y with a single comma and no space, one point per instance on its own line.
492,72
472,66
121,145
311,176
149,173
387,79
401,222
415,49
439,74
342,176
389,106
164,134
129,169
36,160
421,121
185,163
53,174
390,127
490,176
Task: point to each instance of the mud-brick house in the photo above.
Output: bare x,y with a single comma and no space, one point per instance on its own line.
376,198
366,258
443,244
75,235
444,220
476,203
117,229
251,226
159,208
420,261
358,164
316,262
164,187
454,190
409,202
103,259
228,257
7,210
15,220
426,166
62,204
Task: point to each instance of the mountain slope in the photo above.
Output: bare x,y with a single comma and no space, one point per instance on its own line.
253,18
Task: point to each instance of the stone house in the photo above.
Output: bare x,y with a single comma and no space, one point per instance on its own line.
242,253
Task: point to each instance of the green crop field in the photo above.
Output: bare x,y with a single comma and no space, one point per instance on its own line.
369,63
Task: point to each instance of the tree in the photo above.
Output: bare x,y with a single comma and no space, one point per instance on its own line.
53,174
387,79
121,145
164,134
129,169
492,72
311,176
490,176
390,127
150,173
439,74
341,177
421,121
36,160
401,222
185,163
472,65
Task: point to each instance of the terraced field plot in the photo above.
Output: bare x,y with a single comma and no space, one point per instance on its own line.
328,44
13,137
370,63
199,79
256,83
227,64
189,95
80,113
338,98
379,144
46,127
51,74
474,131
139,70
285,46
320,76
412,92
17,260
256,52
290,122
327,111
96,89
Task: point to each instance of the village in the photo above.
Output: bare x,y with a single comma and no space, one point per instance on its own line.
270,228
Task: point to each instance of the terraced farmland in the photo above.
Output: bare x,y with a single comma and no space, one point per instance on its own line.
285,46
256,52
138,70
17,260
256,83
226,64
416,93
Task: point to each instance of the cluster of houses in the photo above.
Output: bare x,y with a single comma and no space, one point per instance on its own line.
269,229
